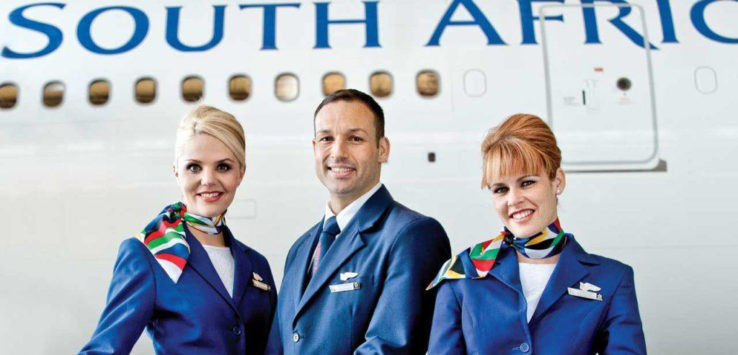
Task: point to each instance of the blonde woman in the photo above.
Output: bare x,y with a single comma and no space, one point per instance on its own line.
185,278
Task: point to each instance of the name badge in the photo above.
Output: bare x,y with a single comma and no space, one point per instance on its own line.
349,286
585,294
260,285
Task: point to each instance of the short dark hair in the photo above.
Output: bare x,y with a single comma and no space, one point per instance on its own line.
356,95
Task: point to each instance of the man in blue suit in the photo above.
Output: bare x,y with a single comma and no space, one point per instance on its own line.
354,282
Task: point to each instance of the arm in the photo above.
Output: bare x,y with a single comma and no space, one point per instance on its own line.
622,332
274,339
130,302
447,336
403,314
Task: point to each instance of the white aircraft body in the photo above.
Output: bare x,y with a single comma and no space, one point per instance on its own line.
641,94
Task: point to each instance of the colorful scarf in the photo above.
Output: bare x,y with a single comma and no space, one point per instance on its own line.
165,237
477,261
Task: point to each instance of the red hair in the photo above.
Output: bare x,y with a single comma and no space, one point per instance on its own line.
522,144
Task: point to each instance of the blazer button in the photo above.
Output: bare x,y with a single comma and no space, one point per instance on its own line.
524,347
295,337
236,330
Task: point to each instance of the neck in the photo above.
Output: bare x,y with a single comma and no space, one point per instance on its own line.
216,240
338,203
550,260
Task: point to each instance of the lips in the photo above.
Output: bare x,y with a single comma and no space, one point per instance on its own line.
341,171
521,215
210,196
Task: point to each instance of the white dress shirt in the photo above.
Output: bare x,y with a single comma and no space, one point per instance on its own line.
533,278
347,214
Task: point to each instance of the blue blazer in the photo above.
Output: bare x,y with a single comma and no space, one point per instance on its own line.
488,316
394,253
194,316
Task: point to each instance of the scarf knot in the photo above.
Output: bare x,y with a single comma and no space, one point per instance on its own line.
476,261
165,236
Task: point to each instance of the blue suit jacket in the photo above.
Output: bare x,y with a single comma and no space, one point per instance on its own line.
194,316
488,316
395,252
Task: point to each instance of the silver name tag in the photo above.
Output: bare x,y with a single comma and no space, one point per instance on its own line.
349,286
585,294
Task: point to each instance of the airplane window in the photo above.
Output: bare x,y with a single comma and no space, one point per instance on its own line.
192,87
380,84
145,90
8,95
239,87
53,94
286,87
333,82
99,92
427,83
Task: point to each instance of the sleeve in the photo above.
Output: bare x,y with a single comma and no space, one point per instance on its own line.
404,311
622,332
273,346
446,335
130,303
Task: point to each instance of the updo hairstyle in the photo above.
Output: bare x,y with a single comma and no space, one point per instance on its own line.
522,144
219,124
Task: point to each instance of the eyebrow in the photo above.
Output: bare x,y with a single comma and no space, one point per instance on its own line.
498,184
352,130
219,161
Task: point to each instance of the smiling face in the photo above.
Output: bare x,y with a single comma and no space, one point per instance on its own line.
526,203
348,156
208,174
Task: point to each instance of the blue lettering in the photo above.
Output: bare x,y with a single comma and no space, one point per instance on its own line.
479,20
698,19
269,30
53,33
141,28
322,22
173,29
590,23
527,18
667,22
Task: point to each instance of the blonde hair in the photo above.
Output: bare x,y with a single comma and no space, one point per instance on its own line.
523,143
219,124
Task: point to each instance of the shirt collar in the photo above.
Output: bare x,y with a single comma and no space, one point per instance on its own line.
347,214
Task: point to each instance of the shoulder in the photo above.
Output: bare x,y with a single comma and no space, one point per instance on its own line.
134,258
406,220
606,269
254,256
303,240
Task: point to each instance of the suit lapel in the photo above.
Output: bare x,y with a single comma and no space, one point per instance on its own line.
347,244
200,262
303,261
242,269
506,270
569,270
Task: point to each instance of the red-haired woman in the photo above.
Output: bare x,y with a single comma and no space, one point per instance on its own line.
532,288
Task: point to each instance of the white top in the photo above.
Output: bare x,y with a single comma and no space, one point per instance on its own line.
344,217
223,263
533,278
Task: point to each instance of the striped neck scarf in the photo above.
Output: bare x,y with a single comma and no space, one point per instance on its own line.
165,236
477,261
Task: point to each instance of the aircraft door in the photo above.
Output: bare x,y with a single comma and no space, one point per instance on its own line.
600,95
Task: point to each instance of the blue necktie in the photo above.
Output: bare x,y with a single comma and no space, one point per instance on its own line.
327,236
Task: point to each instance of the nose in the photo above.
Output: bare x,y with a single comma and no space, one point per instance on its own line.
338,149
514,197
207,177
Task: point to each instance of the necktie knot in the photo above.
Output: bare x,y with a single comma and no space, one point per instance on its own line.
327,237
330,226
